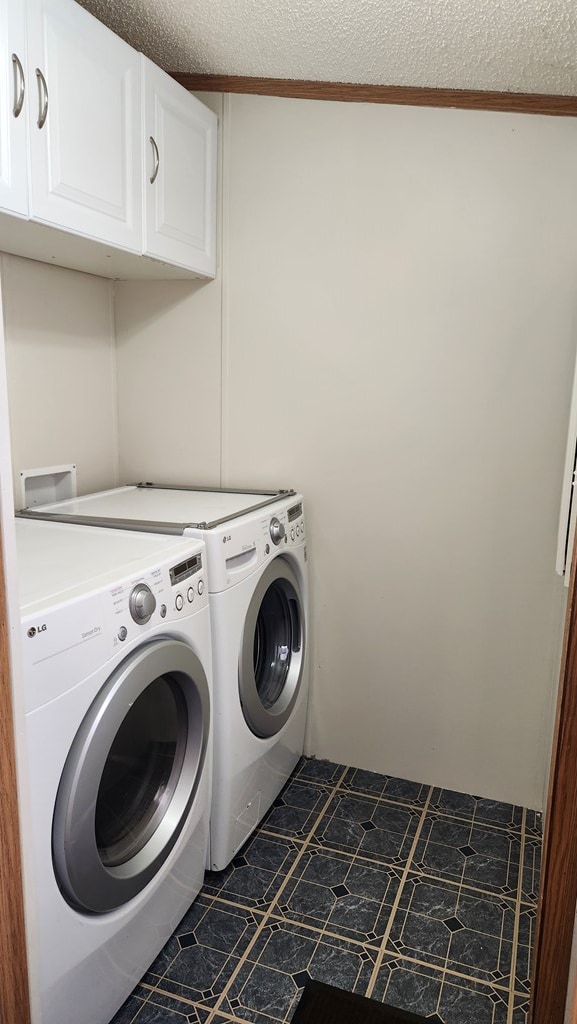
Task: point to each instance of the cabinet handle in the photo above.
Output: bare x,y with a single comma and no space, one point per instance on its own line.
19,85
42,98
156,154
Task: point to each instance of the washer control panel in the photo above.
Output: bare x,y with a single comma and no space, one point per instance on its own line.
240,546
287,527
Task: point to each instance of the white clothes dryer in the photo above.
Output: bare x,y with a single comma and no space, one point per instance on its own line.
117,679
257,577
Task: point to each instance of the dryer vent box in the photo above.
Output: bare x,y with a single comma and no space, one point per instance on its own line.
48,484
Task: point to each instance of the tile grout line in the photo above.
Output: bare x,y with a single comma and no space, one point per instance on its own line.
323,930
517,924
397,900
134,1020
459,892
223,1015
239,905
242,960
469,889
172,995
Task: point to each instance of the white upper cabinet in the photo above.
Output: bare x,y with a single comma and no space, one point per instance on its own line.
13,84
180,136
85,123
84,114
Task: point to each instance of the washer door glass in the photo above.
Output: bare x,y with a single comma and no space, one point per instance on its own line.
131,776
272,656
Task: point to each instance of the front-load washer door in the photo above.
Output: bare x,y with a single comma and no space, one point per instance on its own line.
131,776
272,655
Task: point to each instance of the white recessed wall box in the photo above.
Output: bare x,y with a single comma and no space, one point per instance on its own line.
47,484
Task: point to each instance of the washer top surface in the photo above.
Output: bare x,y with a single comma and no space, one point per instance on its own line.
160,504
55,560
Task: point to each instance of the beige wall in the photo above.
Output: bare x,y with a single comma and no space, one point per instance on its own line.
168,336
60,358
399,344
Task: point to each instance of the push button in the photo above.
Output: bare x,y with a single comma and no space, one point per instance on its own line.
190,594
200,587
179,602
122,633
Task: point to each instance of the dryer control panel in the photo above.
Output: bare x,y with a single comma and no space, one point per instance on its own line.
79,636
164,594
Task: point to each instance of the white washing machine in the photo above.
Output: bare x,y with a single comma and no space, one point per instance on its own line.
257,576
117,678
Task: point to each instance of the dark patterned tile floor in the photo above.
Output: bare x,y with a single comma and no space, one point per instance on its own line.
420,897
474,855
256,874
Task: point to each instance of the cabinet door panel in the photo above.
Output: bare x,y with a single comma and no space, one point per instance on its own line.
181,201
13,154
85,160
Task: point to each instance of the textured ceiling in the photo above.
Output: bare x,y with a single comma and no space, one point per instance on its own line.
507,45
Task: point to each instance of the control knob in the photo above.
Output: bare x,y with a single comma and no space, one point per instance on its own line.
142,603
276,530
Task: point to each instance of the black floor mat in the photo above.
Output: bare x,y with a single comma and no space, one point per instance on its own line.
324,1004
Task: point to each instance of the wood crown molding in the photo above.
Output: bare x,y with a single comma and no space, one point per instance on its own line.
463,99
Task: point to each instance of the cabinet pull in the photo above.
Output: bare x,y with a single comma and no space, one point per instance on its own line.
19,85
156,154
42,98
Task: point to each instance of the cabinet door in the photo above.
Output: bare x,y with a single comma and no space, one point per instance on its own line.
180,186
85,125
13,100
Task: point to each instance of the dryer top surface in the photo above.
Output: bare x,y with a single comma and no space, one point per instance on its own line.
56,559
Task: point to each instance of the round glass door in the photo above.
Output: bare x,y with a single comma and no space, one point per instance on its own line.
272,656
141,771
131,776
